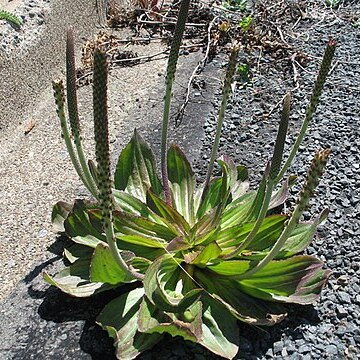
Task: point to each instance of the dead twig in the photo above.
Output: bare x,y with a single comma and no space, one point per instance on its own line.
167,22
31,124
144,57
296,74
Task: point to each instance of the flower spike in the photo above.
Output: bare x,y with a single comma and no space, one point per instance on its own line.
73,111
103,157
170,76
225,96
59,94
314,101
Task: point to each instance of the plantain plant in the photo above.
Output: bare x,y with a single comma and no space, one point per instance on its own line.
198,259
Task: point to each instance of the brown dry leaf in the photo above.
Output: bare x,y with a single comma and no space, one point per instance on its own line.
30,125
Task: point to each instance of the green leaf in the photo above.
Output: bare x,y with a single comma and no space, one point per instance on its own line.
210,252
242,173
254,210
104,268
136,169
298,241
153,320
267,235
154,234
168,286
78,251
131,224
219,190
211,199
301,237
59,214
242,306
79,227
239,189
139,247
120,319
182,183
237,211
75,280
230,268
131,205
168,213
229,177
204,229
143,241
298,279
219,328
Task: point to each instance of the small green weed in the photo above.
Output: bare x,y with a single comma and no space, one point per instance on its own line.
11,18
332,3
235,4
246,22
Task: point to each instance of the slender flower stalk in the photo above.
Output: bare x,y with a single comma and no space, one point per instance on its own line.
103,158
74,114
280,140
315,172
59,94
314,101
225,96
170,76
269,177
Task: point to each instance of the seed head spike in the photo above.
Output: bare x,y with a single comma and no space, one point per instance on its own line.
101,132
320,80
315,172
71,86
314,100
170,75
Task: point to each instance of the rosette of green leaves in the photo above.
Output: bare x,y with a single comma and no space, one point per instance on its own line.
189,288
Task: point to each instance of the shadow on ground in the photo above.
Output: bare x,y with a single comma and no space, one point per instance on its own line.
57,325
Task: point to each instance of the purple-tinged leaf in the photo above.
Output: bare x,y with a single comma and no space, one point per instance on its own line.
75,280
168,286
177,244
120,319
164,210
242,306
280,196
187,325
136,170
210,252
220,329
59,214
182,183
298,279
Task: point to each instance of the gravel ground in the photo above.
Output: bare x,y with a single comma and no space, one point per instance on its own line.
38,322
33,14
